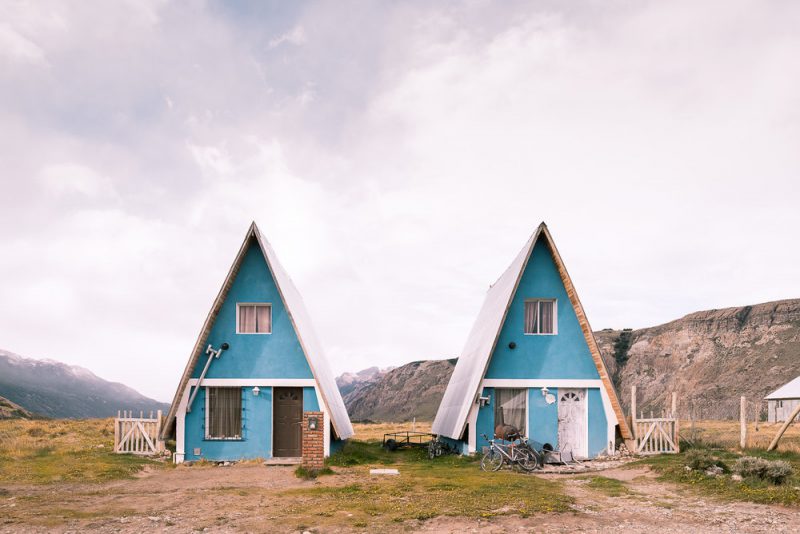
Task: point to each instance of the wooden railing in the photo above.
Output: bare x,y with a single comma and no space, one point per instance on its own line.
137,435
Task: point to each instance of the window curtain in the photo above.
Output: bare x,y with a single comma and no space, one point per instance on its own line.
509,408
247,319
263,318
546,317
531,313
224,412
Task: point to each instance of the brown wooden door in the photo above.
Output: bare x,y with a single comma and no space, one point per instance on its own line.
287,434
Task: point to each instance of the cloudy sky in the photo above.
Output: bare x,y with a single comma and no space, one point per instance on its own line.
397,155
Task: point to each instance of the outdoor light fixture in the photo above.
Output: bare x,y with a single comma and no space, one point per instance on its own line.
549,398
483,401
512,345
256,391
312,423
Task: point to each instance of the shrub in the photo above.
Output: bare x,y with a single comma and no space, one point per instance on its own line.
776,471
779,471
701,459
310,474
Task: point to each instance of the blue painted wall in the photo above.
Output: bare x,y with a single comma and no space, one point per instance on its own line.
485,422
256,439
598,424
310,401
564,355
275,355
542,417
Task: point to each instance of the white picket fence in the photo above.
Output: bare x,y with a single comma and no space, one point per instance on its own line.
137,435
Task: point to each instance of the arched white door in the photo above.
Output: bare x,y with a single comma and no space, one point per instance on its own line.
572,425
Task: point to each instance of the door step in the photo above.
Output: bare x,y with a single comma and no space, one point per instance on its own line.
284,461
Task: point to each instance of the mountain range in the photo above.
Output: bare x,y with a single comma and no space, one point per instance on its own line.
710,358
54,389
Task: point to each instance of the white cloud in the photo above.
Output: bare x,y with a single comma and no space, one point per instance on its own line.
397,161
296,36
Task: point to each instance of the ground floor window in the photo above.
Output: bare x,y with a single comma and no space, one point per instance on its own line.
223,413
509,408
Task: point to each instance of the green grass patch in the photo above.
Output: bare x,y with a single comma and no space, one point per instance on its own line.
672,468
608,486
309,474
449,486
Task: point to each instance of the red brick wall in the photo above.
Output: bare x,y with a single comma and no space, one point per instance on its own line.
313,442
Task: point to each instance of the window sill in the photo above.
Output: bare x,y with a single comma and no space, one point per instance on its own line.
253,333
532,334
223,439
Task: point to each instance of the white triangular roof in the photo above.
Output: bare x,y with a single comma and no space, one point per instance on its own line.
296,310
462,390
786,391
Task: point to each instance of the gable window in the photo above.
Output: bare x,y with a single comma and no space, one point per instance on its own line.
253,318
540,316
223,413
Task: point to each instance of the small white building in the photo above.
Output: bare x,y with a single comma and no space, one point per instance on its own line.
782,402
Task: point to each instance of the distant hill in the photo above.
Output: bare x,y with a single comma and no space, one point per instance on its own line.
58,390
10,410
348,382
411,391
710,358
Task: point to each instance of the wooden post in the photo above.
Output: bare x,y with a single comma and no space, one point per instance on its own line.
783,428
677,434
743,422
633,413
116,432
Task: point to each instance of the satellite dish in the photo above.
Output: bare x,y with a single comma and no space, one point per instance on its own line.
549,398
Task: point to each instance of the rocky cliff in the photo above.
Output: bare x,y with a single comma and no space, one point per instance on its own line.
709,358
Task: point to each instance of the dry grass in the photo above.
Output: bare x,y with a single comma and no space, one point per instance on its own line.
725,434
52,450
375,431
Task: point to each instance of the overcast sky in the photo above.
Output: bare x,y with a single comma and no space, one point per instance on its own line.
397,155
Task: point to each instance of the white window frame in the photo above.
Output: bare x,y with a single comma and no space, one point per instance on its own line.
207,436
239,304
538,316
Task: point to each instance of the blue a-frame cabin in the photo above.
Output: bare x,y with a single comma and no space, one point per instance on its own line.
531,361
248,399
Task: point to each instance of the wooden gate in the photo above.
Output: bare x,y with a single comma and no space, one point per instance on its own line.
137,435
656,435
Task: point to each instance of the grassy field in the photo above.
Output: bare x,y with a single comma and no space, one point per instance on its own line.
726,434
62,450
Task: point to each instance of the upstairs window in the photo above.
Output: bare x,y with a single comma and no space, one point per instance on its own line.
253,318
540,316
223,413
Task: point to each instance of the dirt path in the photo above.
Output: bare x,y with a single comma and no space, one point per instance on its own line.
243,498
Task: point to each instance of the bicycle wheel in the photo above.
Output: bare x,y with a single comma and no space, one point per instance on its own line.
492,460
529,460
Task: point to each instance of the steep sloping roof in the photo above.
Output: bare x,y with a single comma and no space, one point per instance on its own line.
462,390
296,309
790,390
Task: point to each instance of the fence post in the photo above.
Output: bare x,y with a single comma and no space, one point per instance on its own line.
633,414
676,425
743,422
116,432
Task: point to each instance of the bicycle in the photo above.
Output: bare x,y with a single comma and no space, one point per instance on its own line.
520,454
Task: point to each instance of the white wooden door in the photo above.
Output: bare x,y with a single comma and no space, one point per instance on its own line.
572,426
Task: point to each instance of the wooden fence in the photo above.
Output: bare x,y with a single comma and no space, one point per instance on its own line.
137,435
656,435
